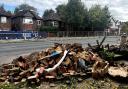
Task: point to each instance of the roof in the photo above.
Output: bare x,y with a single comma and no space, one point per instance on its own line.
4,13
52,17
27,13
116,21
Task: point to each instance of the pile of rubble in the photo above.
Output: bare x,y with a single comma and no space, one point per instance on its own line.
64,60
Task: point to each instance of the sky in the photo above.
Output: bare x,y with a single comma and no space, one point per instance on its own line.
118,8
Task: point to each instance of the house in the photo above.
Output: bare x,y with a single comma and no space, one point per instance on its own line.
54,20
115,26
5,20
26,20
51,20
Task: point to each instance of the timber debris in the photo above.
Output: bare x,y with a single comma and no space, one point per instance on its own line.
65,60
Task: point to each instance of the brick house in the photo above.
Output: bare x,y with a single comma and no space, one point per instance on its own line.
53,20
26,20
5,20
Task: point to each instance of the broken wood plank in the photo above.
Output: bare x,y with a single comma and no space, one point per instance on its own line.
118,71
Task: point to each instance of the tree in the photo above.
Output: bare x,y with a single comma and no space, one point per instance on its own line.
77,15
2,7
99,17
25,7
72,13
105,17
48,12
9,12
61,11
86,19
75,12
125,27
48,26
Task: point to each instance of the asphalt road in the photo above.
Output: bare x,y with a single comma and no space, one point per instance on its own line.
9,51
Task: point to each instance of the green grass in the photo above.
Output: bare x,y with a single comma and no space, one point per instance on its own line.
8,86
86,84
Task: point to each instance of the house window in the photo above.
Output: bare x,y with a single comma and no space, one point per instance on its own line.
28,21
3,19
38,22
55,23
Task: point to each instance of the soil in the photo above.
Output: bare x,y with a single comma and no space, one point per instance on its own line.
89,83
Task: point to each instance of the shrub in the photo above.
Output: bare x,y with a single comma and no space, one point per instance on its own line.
48,29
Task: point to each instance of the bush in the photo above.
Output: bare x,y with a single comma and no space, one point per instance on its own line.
105,54
7,86
48,29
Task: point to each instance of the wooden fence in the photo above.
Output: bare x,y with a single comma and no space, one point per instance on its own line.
79,34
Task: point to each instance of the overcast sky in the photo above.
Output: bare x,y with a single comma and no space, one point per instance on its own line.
118,8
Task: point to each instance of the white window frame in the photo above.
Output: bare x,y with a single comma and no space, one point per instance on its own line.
3,19
52,23
55,23
27,20
38,22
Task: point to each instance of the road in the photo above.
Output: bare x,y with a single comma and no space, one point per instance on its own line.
9,51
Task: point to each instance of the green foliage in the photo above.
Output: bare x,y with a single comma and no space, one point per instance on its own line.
61,11
107,55
125,27
7,86
99,17
48,29
110,55
71,85
25,7
74,12
48,12
2,7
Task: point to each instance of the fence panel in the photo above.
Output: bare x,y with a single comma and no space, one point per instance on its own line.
29,35
22,35
81,34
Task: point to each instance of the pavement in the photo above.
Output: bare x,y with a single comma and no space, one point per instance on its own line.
13,49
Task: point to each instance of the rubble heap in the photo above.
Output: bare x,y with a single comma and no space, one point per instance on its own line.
66,60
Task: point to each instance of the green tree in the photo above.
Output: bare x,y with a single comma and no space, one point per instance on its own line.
2,7
86,19
48,26
61,11
99,18
125,27
48,12
105,17
75,12
25,7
